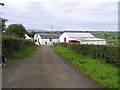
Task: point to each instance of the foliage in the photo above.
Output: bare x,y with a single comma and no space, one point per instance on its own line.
22,53
31,34
16,30
14,44
107,53
105,74
111,37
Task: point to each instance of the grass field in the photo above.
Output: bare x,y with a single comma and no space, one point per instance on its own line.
111,37
105,74
22,53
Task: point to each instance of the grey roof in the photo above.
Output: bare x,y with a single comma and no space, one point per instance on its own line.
48,36
80,35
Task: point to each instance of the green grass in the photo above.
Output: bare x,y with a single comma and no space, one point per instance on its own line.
105,74
22,53
108,36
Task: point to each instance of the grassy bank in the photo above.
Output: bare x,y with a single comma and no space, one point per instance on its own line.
105,74
22,53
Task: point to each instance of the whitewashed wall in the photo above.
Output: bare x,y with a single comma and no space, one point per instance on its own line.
55,40
94,42
38,38
49,42
61,38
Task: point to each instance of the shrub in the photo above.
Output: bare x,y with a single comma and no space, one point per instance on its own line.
107,53
14,44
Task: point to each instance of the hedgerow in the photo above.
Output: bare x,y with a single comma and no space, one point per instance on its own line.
10,44
107,53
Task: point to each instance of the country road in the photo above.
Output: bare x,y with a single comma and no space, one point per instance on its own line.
44,69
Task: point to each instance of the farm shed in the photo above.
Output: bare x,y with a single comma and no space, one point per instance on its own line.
27,37
46,39
81,38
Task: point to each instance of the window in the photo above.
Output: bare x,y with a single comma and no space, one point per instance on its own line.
50,39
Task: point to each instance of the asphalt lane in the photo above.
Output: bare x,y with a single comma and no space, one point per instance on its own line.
44,69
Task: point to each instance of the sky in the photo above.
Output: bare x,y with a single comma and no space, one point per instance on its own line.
83,15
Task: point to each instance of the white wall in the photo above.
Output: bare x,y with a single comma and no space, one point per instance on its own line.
94,42
38,38
49,42
45,40
55,40
61,38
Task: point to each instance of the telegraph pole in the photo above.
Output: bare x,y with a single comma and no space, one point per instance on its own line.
1,19
52,28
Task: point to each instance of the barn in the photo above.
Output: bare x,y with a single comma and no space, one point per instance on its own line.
81,38
46,39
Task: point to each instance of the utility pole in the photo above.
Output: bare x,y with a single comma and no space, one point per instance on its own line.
52,28
1,19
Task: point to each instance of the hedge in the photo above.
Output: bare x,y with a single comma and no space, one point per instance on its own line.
10,44
107,53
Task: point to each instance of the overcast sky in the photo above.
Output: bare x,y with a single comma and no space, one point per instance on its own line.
62,14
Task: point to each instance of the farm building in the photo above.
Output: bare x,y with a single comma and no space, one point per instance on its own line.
27,37
46,39
81,38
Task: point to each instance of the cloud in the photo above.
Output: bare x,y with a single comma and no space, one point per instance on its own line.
41,14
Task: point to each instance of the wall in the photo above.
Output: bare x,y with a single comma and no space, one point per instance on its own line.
61,38
94,42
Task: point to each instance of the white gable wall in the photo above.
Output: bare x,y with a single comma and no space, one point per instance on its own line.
38,39
64,35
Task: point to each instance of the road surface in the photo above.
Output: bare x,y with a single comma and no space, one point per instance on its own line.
44,69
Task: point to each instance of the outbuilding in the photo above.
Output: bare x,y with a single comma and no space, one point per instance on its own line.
27,37
81,38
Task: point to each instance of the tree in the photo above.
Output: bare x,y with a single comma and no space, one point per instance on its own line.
31,34
16,30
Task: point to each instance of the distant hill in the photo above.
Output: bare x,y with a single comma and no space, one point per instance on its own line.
30,30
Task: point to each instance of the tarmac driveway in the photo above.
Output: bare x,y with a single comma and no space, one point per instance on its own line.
44,69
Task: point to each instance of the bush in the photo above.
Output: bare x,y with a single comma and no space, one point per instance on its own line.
14,44
107,53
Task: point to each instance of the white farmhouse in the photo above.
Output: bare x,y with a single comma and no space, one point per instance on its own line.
81,38
46,39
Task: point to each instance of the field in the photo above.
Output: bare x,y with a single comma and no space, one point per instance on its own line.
111,37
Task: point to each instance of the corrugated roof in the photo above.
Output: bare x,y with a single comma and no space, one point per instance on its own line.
48,36
80,35
92,39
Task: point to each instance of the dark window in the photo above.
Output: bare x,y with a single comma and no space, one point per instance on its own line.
50,39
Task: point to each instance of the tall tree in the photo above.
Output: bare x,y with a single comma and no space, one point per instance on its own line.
16,30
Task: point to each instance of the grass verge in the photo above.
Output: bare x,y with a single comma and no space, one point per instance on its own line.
22,53
105,74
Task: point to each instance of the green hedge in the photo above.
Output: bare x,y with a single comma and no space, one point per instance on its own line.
14,44
107,53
